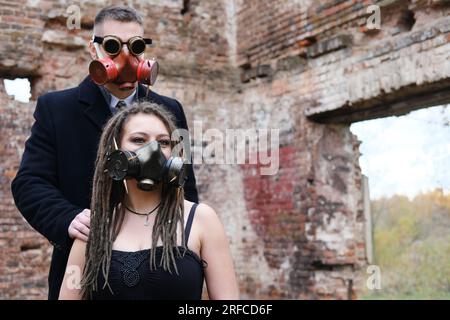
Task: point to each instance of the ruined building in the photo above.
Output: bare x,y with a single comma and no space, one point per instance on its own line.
308,68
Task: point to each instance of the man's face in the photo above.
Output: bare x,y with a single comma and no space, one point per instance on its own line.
124,31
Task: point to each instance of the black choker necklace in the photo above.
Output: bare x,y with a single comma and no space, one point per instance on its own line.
142,214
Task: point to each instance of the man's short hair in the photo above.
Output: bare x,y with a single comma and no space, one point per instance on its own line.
118,13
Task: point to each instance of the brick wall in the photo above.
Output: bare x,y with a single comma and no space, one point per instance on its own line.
24,254
348,65
307,68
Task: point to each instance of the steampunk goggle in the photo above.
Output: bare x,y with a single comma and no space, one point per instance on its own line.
113,45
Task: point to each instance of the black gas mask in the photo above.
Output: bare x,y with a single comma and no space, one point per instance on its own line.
148,166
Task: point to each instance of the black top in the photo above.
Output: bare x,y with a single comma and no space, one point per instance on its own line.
130,277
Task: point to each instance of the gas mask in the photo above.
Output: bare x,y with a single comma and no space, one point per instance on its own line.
121,67
148,166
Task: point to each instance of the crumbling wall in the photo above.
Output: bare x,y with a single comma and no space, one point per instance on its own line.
310,68
24,254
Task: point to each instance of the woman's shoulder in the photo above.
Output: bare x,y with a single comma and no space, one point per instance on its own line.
202,209
204,213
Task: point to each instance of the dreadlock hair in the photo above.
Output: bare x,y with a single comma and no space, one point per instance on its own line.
107,213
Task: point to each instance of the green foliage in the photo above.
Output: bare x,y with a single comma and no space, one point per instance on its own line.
412,246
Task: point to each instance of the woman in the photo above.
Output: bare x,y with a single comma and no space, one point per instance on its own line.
146,244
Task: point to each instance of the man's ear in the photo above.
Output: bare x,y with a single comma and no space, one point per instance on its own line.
92,51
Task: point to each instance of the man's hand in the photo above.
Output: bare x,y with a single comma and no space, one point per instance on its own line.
80,226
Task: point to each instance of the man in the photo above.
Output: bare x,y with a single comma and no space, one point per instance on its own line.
52,188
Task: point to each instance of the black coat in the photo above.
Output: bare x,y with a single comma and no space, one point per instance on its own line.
54,180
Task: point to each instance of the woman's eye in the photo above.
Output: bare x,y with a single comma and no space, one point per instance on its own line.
164,143
137,140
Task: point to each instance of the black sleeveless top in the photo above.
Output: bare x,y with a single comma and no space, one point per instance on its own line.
130,276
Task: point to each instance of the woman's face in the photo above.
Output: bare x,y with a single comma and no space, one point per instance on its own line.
141,129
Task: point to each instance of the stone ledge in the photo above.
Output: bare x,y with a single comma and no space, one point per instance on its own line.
61,38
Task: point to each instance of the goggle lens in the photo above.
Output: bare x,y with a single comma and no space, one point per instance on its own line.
111,46
137,47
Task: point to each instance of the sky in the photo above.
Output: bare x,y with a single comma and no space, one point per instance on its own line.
19,88
400,155
407,154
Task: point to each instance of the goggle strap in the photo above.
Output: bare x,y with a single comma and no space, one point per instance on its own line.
97,39
98,51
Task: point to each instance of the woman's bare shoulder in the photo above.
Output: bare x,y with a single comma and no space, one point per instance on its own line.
207,215
204,213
